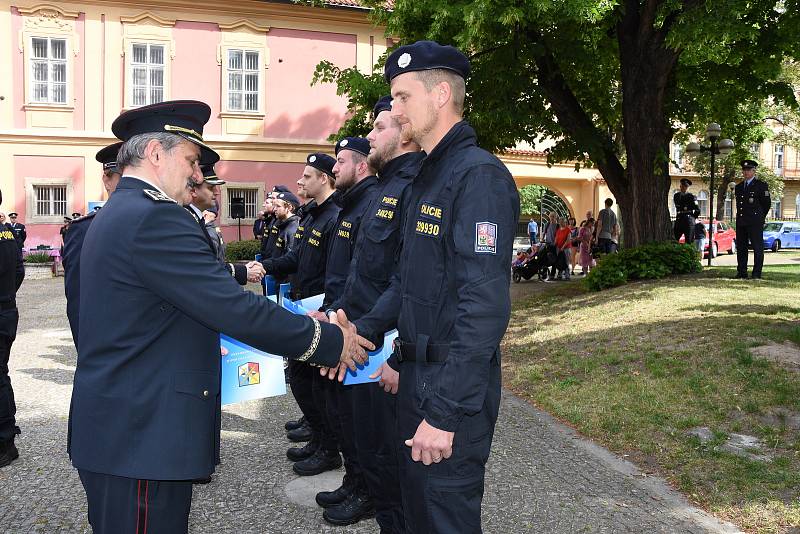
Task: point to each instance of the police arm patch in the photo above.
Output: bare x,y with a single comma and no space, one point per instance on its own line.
486,238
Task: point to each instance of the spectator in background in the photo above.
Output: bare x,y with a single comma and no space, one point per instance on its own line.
585,238
563,244
549,236
574,244
700,237
258,225
615,231
3,223
62,231
18,228
533,231
606,221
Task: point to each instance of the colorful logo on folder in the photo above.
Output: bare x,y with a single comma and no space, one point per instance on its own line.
249,374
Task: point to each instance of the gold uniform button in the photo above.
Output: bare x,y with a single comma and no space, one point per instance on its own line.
205,393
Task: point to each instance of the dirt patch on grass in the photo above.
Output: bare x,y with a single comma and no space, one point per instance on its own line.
786,353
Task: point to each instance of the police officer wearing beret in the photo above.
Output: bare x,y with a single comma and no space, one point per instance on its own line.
271,231
286,222
686,209
355,183
12,272
752,205
373,411
18,228
452,294
142,422
76,233
306,263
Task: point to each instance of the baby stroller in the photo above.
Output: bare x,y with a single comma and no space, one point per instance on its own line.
528,264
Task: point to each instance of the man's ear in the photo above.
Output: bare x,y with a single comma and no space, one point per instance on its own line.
443,93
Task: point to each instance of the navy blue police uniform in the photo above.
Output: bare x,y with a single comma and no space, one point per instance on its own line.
148,371
454,273
373,412
19,230
73,244
686,210
752,205
12,272
287,231
305,264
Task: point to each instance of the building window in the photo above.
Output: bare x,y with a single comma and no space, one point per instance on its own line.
702,202
48,64
50,200
673,212
728,207
243,81
776,209
779,159
755,150
797,206
250,196
677,157
146,74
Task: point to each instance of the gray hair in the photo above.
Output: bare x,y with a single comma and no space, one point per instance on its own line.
132,151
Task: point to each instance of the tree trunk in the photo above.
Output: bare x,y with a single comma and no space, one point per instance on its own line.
726,176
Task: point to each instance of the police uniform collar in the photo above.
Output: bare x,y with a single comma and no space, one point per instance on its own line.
195,209
318,208
393,166
352,195
460,133
150,185
287,220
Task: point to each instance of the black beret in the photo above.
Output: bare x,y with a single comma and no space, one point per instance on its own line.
108,157
356,144
210,175
384,104
185,118
289,197
281,188
749,164
686,181
425,55
322,162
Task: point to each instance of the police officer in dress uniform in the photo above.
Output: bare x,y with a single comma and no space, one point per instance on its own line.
76,233
355,182
451,293
12,272
374,411
305,263
143,402
686,209
18,229
752,204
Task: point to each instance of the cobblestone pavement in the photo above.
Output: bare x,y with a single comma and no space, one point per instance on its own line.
541,477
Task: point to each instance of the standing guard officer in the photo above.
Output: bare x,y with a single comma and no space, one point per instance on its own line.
306,263
686,209
373,418
76,233
148,372
12,272
752,205
18,229
452,294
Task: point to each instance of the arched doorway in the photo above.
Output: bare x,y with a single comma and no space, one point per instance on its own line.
538,202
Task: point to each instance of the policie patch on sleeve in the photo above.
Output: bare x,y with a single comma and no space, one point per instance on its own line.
486,238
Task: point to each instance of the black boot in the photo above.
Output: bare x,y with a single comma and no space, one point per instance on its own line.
297,454
354,508
8,452
326,499
291,425
299,434
319,462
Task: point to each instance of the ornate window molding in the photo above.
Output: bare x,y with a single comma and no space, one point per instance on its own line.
148,30
242,37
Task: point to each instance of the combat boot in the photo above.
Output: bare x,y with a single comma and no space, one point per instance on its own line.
326,499
297,454
8,452
319,462
291,425
302,433
354,508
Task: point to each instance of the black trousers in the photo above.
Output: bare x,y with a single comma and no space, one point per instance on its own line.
446,497
308,389
8,408
340,418
120,505
374,420
684,227
752,233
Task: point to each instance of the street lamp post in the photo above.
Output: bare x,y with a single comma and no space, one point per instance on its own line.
716,146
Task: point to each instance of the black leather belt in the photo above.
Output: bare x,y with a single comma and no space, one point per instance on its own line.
11,305
411,352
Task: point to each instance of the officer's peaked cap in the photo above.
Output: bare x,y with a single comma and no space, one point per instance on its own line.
356,144
383,104
686,181
749,164
322,162
425,55
210,175
185,118
108,157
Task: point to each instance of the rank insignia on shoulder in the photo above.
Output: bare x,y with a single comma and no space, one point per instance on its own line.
158,196
486,238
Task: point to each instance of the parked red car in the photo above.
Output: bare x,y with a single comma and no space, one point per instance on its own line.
724,239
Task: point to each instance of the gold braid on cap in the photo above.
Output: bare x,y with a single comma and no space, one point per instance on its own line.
188,131
314,342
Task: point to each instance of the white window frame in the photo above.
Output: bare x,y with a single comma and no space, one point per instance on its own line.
778,152
225,197
673,211
797,206
776,213
244,72
678,153
702,200
31,185
129,66
50,61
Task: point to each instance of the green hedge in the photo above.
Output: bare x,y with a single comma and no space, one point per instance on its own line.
242,250
38,257
653,260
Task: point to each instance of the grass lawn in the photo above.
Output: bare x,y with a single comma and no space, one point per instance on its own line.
636,366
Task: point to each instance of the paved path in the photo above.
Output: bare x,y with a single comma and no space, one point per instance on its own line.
541,477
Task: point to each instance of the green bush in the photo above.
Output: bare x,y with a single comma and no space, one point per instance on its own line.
652,260
38,257
242,250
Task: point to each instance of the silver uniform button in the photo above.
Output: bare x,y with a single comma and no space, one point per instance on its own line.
205,393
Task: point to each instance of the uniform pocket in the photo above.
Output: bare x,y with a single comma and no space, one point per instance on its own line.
379,250
199,384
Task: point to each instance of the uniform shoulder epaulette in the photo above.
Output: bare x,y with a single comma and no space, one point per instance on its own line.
158,196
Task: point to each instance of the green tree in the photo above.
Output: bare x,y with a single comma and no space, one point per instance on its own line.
530,199
609,80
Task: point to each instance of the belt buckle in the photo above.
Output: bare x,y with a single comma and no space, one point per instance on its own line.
396,349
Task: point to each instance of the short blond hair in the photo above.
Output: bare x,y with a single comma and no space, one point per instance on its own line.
458,87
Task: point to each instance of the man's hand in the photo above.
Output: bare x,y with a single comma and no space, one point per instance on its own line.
318,315
255,271
389,378
334,372
430,444
355,347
